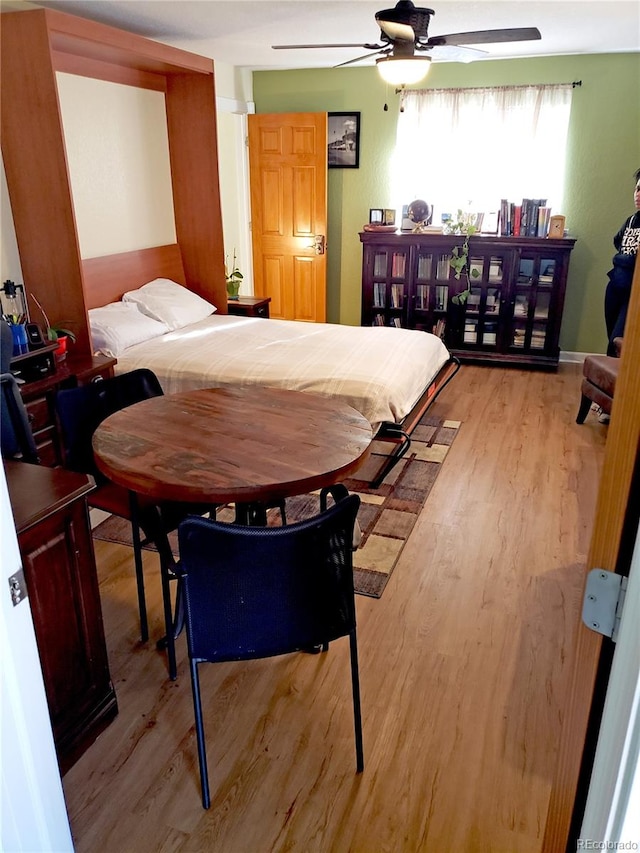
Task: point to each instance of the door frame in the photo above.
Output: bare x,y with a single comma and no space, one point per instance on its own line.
616,768
584,693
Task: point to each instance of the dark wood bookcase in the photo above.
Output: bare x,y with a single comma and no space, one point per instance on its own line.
513,314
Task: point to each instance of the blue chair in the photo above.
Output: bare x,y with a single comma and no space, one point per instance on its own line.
16,437
255,592
80,411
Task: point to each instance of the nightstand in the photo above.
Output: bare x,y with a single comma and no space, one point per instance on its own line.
249,306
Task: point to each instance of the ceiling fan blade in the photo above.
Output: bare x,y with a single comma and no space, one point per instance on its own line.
487,36
360,58
454,53
305,46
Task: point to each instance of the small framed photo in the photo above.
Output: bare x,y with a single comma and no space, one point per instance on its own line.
343,145
556,227
489,222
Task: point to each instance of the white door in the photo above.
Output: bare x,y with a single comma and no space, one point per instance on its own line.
612,813
34,816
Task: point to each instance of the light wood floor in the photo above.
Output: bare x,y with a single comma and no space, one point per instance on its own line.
463,670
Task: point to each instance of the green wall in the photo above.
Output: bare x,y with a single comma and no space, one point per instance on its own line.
604,152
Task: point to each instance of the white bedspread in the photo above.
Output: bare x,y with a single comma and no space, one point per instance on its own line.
379,371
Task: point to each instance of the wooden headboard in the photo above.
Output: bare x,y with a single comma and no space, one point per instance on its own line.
107,278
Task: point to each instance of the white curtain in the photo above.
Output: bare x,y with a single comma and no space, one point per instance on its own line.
468,148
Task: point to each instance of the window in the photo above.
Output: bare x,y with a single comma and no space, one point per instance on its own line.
468,148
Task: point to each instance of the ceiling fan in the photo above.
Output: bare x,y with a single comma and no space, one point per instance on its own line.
405,50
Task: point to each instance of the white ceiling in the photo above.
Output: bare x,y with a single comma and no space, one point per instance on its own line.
241,32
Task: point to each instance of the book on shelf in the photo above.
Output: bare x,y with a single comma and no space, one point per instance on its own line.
397,265
443,267
517,219
440,328
397,292
544,215
422,297
442,297
424,266
523,220
505,222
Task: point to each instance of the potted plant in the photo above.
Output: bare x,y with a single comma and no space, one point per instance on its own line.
233,277
56,333
464,224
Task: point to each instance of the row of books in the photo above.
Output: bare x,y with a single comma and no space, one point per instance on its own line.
528,219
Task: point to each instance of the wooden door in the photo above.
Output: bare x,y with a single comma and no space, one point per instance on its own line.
613,507
288,174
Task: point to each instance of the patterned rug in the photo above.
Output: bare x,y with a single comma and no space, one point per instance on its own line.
387,514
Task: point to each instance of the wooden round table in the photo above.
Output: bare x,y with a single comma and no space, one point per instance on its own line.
253,447
221,445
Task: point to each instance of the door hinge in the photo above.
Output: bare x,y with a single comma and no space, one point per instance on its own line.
603,602
17,587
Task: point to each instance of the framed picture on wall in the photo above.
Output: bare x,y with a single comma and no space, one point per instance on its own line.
343,146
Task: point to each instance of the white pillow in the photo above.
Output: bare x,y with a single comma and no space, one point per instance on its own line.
170,303
119,325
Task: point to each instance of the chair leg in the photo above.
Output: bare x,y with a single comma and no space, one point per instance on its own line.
357,713
156,533
585,405
169,638
137,560
202,753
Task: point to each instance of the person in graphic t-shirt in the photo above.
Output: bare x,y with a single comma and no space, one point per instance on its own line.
616,298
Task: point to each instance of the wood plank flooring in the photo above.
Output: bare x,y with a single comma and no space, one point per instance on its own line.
463,671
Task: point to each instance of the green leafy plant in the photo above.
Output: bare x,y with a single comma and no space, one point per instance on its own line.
54,332
233,277
464,224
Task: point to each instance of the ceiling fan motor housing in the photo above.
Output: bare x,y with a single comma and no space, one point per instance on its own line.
405,12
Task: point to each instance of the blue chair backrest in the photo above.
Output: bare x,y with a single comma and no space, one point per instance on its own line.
16,437
6,347
255,592
80,412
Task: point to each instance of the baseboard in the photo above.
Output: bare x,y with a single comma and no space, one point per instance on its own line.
574,357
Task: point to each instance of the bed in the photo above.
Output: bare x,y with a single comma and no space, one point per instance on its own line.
390,375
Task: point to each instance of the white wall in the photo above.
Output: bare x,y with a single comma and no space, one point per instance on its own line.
117,149
118,157
9,258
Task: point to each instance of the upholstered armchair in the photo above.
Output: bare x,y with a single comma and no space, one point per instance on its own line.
600,373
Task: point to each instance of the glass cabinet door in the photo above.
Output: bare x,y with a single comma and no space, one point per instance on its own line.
427,299
389,288
532,304
482,308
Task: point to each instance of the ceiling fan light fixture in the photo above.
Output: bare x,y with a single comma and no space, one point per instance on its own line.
403,70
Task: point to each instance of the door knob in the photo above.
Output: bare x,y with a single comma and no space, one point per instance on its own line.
319,244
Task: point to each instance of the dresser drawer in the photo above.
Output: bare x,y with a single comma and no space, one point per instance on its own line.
47,447
249,306
39,413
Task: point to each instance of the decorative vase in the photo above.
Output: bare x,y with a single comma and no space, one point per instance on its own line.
233,289
61,351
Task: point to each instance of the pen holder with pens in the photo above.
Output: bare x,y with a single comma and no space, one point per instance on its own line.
20,340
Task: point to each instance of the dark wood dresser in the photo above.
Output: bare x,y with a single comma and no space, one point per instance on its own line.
249,306
52,522
38,395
